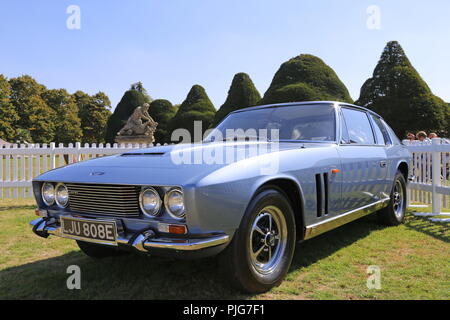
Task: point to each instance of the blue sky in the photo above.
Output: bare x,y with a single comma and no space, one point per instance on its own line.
171,45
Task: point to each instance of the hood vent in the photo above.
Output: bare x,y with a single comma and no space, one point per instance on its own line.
143,154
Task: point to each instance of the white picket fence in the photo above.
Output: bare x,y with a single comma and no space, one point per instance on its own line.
19,164
431,186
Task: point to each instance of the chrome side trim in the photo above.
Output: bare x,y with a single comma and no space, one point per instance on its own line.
332,223
141,242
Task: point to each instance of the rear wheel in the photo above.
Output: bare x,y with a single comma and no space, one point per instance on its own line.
98,251
261,251
394,213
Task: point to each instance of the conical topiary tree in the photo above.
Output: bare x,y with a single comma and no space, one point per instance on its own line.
305,78
242,94
398,93
162,111
130,101
196,107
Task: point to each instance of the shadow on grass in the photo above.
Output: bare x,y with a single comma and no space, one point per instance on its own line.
146,277
320,247
434,229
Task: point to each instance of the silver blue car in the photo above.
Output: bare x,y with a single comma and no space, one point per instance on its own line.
264,179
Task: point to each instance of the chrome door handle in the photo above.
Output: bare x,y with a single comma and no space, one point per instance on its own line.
383,164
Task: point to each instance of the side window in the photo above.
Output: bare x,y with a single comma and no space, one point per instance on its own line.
392,135
358,125
378,129
384,129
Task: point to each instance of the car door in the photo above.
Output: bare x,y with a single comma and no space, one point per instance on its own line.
364,163
392,153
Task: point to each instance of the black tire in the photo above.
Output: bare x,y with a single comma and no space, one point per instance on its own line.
242,268
98,251
394,213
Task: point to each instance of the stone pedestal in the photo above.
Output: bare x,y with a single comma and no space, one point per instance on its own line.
135,139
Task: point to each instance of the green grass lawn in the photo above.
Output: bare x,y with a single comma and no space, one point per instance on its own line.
414,259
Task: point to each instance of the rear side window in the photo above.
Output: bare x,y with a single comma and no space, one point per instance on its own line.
392,135
379,130
358,126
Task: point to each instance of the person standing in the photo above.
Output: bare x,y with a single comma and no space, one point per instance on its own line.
422,136
410,136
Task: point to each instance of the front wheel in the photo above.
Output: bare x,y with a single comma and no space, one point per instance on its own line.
261,251
394,213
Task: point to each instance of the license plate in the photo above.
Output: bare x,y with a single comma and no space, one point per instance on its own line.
95,231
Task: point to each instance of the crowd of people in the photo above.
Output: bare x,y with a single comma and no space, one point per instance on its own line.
423,137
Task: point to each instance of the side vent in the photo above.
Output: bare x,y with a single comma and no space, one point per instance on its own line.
319,194
322,190
325,183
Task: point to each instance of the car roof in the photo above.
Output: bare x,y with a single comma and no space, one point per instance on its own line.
287,104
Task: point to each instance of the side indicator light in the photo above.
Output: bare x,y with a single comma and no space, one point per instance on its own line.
172,228
40,212
177,229
334,171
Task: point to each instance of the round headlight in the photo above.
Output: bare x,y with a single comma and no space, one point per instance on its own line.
150,201
62,195
48,193
174,202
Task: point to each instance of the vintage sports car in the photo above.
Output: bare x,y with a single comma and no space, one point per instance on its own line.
248,197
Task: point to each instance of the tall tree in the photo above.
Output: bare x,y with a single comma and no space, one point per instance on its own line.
162,111
242,94
8,114
94,112
34,113
66,120
305,78
398,93
196,107
130,101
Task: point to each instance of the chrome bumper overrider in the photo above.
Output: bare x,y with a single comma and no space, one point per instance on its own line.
144,241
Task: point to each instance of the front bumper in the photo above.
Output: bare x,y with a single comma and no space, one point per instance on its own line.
144,241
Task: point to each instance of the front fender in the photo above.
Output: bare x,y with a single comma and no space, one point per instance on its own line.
219,201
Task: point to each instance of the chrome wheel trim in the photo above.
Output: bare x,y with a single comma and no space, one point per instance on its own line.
398,199
268,240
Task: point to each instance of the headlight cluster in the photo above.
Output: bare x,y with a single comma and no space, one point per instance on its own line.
151,203
52,194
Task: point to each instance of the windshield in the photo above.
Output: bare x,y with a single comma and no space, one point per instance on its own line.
310,123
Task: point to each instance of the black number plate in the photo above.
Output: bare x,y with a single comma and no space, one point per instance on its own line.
96,231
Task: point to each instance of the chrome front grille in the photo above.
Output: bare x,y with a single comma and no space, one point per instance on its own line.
100,199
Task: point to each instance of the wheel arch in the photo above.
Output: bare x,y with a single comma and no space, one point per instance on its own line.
404,169
294,193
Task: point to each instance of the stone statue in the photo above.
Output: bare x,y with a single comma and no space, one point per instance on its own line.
139,128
